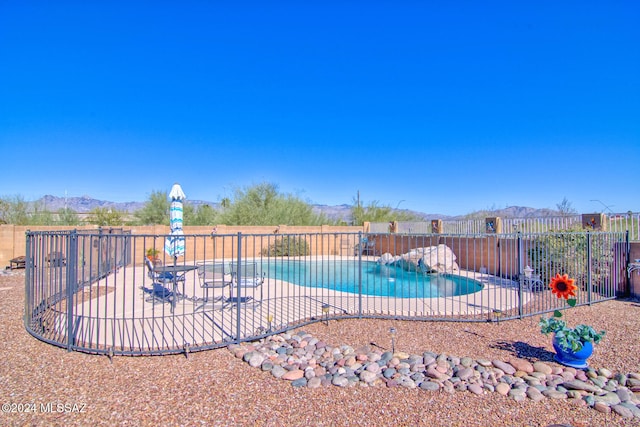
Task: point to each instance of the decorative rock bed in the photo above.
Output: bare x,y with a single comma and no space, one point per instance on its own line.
309,362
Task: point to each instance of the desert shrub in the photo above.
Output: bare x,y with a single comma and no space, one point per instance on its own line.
287,246
574,253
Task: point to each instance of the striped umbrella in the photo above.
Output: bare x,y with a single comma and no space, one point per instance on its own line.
174,244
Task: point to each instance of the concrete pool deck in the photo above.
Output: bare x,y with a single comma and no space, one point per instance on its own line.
124,319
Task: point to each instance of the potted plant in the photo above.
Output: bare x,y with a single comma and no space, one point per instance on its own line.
152,255
572,345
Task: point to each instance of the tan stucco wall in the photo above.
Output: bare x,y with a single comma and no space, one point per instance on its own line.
13,239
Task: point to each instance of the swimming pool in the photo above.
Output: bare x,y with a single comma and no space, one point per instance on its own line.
377,279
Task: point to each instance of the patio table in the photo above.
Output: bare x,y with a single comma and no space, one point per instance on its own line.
177,271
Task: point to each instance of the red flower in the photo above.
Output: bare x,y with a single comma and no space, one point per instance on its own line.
562,286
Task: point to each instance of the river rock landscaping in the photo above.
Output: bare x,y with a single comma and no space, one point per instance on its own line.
307,361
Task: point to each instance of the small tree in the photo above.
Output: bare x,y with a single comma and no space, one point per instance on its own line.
67,216
263,205
376,213
155,210
14,210
105,217
204,215
41,217
566,208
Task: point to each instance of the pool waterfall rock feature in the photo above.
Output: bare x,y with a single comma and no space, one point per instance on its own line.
431,259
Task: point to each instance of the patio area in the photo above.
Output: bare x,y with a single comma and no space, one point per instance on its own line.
118,314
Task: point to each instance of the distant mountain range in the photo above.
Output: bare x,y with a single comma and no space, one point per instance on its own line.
85,204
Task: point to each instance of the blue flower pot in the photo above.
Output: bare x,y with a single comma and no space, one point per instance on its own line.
570,358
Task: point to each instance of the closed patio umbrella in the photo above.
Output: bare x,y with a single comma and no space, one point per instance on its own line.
174,244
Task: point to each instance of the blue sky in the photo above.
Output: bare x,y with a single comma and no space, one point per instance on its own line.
439,107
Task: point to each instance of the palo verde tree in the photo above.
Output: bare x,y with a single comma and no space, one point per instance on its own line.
67,216
203,215
14,210
262,204
105,217
155,210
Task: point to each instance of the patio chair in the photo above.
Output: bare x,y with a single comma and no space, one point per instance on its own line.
370,247
213,276
532,282
163,277
248,276
158,293
366,247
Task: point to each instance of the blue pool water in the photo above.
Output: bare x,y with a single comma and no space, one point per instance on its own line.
377,280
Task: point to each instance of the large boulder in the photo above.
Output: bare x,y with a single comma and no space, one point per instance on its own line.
438,259
387,259
432,259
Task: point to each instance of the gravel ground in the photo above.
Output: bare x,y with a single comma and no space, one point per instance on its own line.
215,388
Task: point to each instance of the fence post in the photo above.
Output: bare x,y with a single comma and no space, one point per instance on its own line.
627,260
238,279
359,274
28,277
520,273
100,273
589,267
72,283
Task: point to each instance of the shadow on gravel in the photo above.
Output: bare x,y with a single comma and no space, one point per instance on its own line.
526,351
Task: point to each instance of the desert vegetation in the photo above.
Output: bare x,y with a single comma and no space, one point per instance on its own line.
261,204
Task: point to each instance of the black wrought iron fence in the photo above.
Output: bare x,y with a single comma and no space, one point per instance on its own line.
99,293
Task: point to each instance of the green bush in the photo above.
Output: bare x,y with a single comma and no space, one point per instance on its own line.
573,253
287,246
